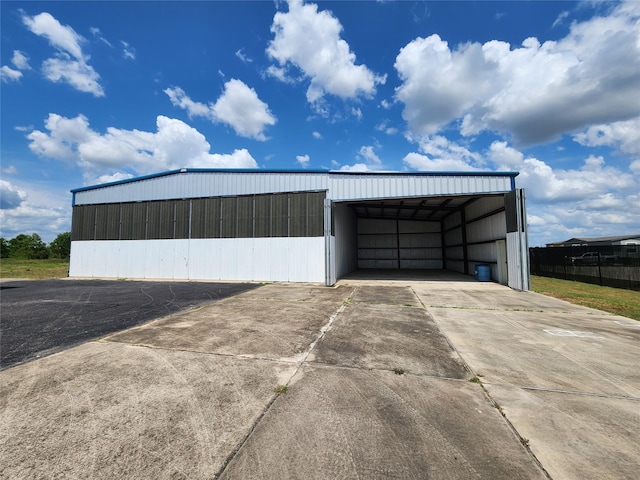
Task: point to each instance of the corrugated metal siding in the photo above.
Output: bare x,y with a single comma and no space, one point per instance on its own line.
517,244
398,244
488,229
283,215
203,184
296,259
360,187
341,187
346,240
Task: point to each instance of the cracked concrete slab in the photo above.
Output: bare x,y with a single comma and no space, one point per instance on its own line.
388,295
296,292
108,410
358,423
565,376
383,337
576,436
488,296
590,354
243,326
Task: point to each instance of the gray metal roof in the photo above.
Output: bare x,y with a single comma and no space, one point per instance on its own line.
340,186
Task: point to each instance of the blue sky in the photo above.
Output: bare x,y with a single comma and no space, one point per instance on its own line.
101,91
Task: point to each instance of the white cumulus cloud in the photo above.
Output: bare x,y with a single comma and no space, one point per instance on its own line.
20,60
303,160
128,51
623,136
367,160
180,99
36,207
592,180
119,153
533,92
438,153
356,167
369,154
70,63
61,37
8,74
310,40
11,197
76,73
238,106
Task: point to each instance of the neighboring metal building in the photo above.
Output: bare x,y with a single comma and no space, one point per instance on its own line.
299,226
598,241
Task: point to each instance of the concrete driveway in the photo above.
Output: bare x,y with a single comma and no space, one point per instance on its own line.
363,380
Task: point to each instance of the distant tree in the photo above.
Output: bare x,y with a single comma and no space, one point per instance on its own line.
28,246
4,248
61,246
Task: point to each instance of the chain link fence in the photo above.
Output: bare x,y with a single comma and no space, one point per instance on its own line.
613,266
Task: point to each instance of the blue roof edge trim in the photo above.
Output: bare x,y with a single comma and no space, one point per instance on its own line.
303,172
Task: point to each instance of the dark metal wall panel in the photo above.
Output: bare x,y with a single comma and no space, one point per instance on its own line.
160,224
107,226
83,223
315,214
134,221
229,219
205,218
182,219
280,216
511,210
271,215
262,216
297,214
244,214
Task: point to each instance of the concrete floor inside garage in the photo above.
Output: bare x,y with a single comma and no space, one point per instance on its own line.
370,378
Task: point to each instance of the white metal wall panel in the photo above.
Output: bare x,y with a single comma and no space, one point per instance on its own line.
359,187
518,247
398,244
346,240
487,229
514,264
202,184
191,184
298,259
484,205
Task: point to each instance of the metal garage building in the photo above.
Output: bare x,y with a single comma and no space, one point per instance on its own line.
299,226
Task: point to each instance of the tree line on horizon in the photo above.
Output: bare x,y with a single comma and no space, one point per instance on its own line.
32,247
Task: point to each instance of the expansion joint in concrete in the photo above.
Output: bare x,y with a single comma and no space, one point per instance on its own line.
300,361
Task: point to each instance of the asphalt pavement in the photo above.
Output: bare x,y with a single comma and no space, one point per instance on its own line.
42,317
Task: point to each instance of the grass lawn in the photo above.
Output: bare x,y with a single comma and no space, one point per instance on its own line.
613,300
33,269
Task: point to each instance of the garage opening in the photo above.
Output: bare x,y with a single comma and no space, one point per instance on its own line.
453,233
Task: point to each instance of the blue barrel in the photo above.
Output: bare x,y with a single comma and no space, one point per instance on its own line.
483,272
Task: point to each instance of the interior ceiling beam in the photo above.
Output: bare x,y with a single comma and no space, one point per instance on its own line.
405,207
442,205
416,211
378,217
